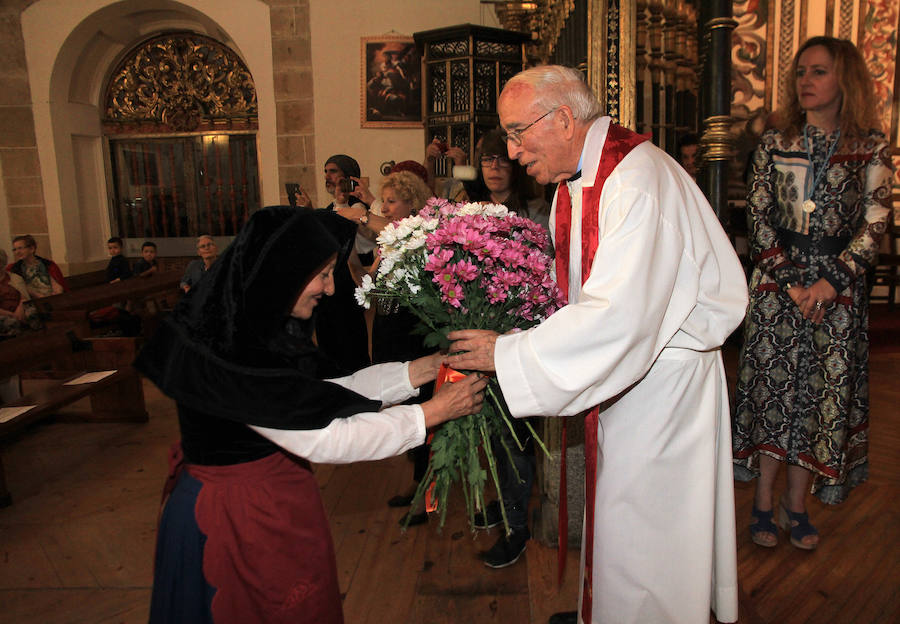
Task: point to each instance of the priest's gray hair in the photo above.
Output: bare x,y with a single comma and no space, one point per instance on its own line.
555,86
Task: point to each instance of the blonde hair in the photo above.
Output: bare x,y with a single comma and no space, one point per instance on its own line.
857,116
409,188
555,86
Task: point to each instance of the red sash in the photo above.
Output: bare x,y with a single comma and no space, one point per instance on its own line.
619,142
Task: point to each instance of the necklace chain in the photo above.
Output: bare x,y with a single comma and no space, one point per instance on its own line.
817,177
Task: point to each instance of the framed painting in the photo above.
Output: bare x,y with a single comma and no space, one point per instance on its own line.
391,90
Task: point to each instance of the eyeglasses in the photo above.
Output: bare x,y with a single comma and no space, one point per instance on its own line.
501,161
515,136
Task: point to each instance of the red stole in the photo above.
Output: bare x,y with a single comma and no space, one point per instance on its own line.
619,142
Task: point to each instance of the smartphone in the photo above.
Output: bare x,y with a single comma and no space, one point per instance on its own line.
293,190
443,167
347,185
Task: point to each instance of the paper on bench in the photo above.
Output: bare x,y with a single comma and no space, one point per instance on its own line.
8,413
89,377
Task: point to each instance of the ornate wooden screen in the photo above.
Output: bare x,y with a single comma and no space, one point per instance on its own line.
667,71
464,69
181,119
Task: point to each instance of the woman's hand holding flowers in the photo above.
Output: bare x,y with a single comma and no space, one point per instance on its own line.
454,400
425,369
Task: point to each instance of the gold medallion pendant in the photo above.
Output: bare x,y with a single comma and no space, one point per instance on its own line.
808,206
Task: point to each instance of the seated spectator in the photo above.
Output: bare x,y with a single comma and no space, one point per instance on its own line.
118,268
117,318
42,276
147,264
208,252
688,145
15,315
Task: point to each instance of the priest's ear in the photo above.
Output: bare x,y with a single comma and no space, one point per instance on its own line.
566,121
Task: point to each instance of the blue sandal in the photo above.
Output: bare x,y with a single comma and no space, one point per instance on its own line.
763,532
798,525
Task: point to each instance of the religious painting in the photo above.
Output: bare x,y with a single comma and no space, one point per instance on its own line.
391,91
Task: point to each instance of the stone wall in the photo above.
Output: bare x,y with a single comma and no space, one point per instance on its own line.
20,170
292,67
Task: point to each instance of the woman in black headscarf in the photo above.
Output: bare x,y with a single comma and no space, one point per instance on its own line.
243,536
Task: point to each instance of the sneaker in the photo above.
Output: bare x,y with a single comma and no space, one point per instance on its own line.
491,517
507,550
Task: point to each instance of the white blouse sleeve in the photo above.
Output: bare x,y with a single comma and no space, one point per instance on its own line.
367,435
361,437
388,383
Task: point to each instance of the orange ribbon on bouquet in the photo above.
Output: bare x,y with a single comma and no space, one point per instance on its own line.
445,375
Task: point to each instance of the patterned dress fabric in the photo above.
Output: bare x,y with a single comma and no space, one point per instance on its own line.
802,393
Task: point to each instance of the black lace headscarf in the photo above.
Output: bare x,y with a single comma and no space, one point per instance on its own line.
230,348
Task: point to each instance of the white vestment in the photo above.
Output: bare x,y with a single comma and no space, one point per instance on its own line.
643,335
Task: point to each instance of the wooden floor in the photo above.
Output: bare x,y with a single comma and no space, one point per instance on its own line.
77,544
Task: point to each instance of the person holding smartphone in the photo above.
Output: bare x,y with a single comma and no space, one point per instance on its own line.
341,325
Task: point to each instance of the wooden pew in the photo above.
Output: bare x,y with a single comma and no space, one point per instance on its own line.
118,397
83,280
28,351
148,298
101,295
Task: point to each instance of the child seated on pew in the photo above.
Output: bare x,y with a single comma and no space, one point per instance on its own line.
147,265
117,318
118,267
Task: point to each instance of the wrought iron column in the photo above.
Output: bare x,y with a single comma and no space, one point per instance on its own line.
716,144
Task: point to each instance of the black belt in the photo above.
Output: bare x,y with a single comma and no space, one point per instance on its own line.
827,245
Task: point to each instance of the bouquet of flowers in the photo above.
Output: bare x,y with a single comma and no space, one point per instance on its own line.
466,266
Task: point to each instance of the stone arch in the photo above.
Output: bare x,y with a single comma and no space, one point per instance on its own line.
72,48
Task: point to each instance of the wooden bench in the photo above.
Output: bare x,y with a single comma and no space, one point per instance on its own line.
101,295
83,280
162,289
118,397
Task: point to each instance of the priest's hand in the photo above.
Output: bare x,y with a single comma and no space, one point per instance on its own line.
455,400
477,346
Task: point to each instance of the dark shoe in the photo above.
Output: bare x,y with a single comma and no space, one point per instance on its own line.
763,531
491,518
507,550
413,519
401,500
564,617
799,527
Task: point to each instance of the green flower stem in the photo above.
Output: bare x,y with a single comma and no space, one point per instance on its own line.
538,439
509,457
492,463
503,414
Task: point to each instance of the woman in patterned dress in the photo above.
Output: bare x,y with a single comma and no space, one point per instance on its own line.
818,206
